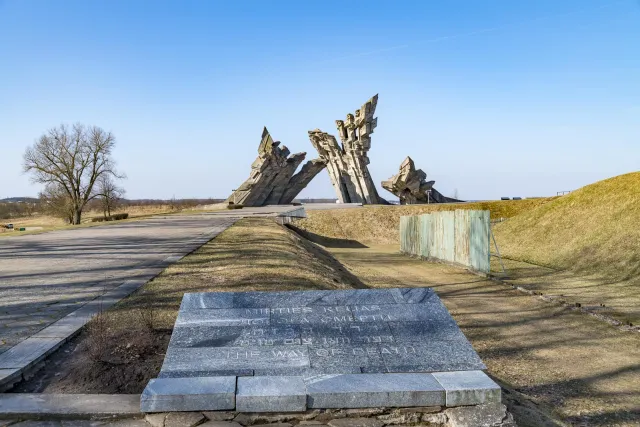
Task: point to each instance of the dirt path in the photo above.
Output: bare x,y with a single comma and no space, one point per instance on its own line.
556,364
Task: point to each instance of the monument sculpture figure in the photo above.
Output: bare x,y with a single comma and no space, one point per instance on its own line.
411,186
272,180
347,162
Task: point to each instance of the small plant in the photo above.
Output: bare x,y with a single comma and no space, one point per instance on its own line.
148,316
234,206
98,337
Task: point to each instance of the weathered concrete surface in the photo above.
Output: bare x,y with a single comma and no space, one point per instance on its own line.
301,179
40,404
46,276
347,163
411,186
271,175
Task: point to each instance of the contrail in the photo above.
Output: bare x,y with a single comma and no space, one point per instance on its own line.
473,33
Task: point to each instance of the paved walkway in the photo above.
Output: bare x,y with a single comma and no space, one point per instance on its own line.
44,277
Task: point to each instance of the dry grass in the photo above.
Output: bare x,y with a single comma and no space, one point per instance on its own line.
380,224
591,238
49,223
254,254
558,367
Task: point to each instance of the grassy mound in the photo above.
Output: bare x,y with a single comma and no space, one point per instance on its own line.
380,224
595,229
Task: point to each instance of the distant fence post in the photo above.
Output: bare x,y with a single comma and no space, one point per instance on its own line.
458,237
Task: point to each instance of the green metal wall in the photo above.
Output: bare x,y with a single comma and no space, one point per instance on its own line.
460,237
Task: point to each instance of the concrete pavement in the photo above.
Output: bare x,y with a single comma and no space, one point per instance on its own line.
44,277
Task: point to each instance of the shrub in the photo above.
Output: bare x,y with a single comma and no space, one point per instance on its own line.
233,206
115,217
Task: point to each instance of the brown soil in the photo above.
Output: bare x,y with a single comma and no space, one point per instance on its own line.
123,348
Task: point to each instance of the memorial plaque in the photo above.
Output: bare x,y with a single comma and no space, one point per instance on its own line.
314,332
317,342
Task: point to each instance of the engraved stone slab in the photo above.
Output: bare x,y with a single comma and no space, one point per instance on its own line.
309,332
189,394
374,390
271,394
351,348
283,299
468,388
232,359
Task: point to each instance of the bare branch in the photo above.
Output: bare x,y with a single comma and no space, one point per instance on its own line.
70,162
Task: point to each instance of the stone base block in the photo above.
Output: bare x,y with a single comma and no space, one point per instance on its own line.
374,390
271,394
189,394
463,388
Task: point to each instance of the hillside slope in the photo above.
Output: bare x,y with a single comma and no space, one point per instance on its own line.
595,229
380,224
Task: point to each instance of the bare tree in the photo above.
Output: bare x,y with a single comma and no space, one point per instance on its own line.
72,160
109,194
56,202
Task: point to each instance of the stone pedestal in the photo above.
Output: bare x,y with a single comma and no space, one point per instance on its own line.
297,351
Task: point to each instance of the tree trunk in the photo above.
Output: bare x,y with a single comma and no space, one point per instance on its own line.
77,215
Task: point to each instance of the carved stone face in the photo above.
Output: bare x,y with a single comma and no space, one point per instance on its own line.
339,123
349,118
357,113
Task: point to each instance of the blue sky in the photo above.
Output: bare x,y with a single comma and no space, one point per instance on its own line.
492,98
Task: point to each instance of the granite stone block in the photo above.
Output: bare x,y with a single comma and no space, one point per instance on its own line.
231,358
382,341
468,388
271,394
238,372
306,372
233,336
437,330
222,317
189,394
301,299
331,358
374,390
430,356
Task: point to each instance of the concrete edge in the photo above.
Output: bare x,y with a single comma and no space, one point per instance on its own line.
12,372
37,405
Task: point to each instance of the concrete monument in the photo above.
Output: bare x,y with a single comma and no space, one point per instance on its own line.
293,351
411,186
272,180
347,162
